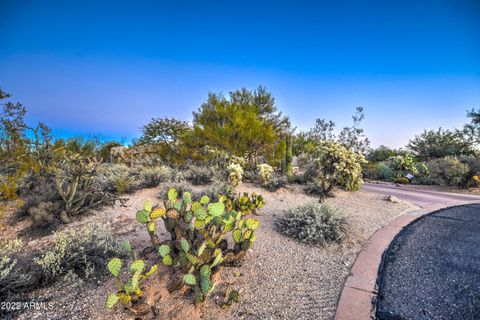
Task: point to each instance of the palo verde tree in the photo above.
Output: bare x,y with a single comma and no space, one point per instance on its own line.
245,124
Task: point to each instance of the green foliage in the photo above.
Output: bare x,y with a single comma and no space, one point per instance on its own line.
246,124
402,165
378,171
439,143
401,180
382,153
334,165
168,139
449,171
313,223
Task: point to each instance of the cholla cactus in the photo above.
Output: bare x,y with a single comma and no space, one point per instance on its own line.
265,172
235,174
335,165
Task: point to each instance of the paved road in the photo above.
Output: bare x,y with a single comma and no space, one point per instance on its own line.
432,268
421,198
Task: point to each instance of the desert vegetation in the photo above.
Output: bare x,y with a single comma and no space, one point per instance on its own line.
213,179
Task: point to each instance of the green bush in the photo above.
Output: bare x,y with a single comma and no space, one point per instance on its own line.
117,178
378,171
402,165
401,180
314,224
449,171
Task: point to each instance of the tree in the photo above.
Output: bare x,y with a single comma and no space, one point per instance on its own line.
246,124
439,143
382,153
352,137
166,137
471,131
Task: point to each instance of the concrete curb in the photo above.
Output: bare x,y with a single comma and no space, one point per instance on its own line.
360,290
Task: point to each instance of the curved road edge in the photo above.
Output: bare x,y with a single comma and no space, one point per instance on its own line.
360,288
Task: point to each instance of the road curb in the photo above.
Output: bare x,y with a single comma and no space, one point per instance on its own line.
360,289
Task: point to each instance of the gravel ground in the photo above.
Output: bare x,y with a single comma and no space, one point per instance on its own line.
431,270
281,278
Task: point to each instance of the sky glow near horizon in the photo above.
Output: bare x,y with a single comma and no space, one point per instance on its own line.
83,67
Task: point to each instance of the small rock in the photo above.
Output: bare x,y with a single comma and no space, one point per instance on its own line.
392,199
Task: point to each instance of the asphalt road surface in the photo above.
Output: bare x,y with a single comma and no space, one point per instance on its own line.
421,198
432,268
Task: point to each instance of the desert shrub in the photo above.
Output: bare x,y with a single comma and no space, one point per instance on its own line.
235,174
115,178
473,163
44,214
334,165
313,223
378,171
8,187
153,176
198,175
298,178
84,252
276,182
401,180
7,261
265,172
448,171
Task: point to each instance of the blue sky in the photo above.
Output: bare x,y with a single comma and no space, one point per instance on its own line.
89,67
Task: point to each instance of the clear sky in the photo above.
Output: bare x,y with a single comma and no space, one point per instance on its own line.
108,67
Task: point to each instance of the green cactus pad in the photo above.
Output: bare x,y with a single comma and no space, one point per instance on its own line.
164,250
114,266
142,216
248,234
184,245
188,217
178,205
201,249
151,227
233,297
127,246
112,300
199,224
237,235
147,205
200,213
151,271
216,209
252,224
167,260
187,197
205,271
204,200
246,245
205,285
157,213
190,279
218,260
137,266
172,194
